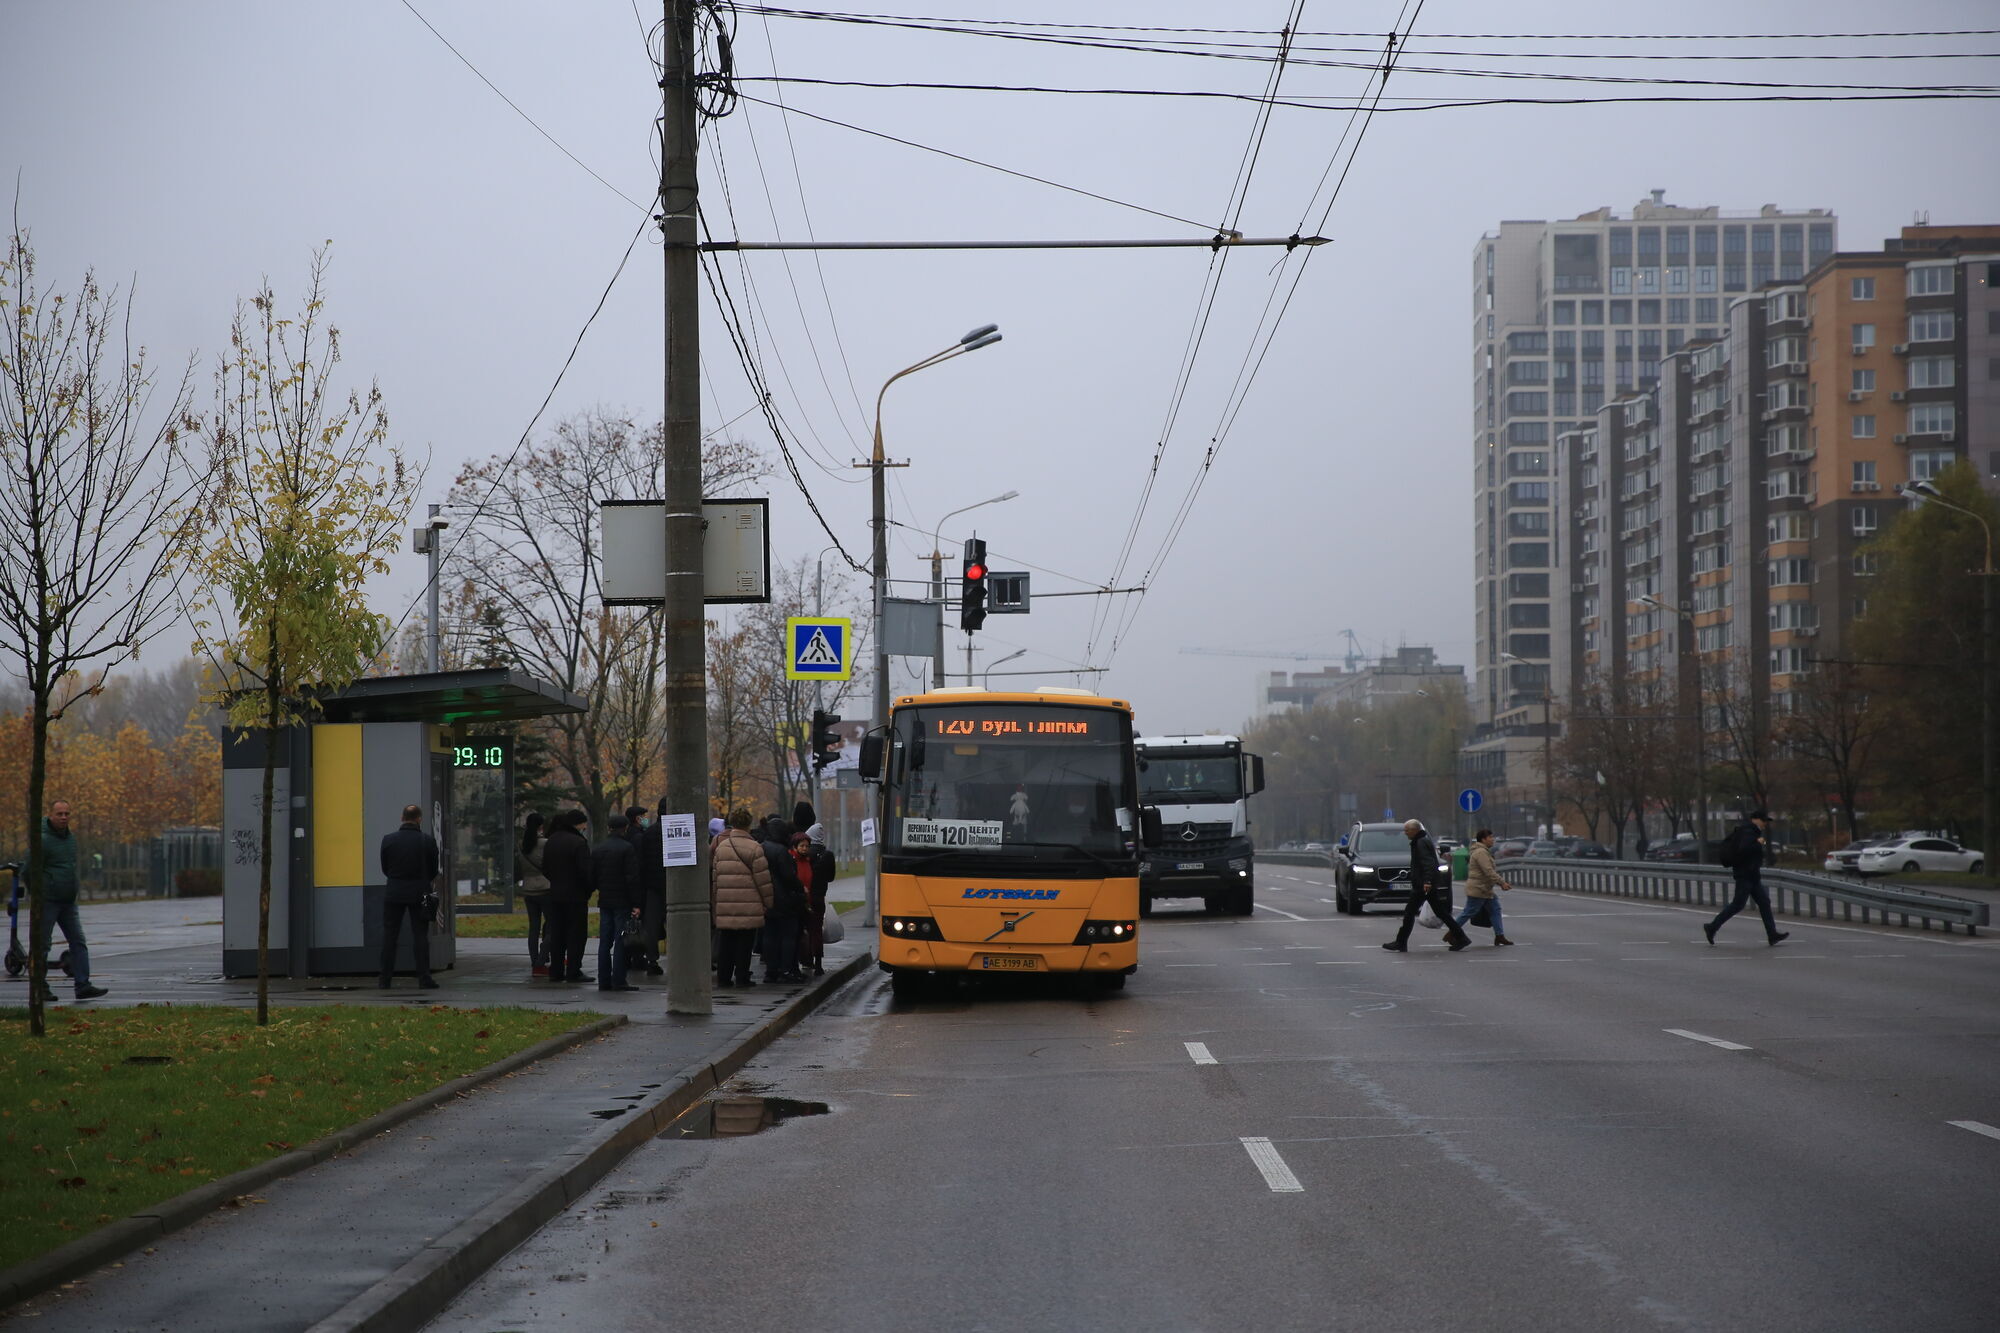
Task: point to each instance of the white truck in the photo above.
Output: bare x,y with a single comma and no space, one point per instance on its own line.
1200,785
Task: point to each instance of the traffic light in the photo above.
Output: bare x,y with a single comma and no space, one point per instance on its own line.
826,742
972,602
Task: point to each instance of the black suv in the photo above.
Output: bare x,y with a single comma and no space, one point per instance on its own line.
1372,865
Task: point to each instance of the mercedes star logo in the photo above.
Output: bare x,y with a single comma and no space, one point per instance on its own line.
1187,832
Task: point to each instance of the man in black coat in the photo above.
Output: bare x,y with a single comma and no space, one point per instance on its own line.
653,880
786,918
1427,884
614,869
410,867
566,862
1743,852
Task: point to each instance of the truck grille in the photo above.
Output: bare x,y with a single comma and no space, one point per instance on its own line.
1191,841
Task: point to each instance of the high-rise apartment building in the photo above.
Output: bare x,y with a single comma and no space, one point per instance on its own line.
1569,316
1713,535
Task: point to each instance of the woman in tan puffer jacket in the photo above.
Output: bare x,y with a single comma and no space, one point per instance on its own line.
739,893
1484,877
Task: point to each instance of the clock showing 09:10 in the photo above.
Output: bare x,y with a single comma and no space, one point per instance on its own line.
489,754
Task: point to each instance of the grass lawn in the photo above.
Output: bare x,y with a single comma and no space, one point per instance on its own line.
506,926
117,1109
839,905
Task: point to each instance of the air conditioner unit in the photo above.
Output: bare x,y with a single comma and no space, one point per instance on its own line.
1856,395
1867,485
1948,436
1862,349
1897,395
1902,349
1902,439
1806,631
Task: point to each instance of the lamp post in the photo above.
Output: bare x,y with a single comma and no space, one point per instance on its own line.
1691,640
986,676
983,336
1990,814
1548,747
937,578
425,542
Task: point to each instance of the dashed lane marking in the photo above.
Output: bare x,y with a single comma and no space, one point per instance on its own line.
1198,1052
1187,965
1276,1174
1287,915
1972,1125
1716,1042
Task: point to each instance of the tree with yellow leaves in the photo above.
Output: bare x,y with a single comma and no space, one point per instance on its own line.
311,500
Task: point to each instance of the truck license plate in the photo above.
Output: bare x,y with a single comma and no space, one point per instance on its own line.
1189,865
1000,962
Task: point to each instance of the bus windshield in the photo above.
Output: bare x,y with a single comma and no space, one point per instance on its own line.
1181,777
1012,781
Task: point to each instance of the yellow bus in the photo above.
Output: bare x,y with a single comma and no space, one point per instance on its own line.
1011,835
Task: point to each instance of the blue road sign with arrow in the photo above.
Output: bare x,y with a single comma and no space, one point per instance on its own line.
1469,801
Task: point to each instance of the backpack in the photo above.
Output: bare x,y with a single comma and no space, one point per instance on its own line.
1730,853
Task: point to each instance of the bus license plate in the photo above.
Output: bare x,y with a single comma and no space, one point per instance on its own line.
1000,962
1189,865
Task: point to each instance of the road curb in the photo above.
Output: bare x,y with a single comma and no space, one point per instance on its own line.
414,1294
118,1239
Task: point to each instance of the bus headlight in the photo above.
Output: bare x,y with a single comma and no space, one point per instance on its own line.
912,927
1107,932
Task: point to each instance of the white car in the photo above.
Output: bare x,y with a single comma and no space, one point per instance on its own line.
1918,854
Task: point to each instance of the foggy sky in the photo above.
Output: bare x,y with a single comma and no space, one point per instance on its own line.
188,150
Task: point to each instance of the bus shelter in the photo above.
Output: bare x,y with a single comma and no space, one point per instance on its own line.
340,784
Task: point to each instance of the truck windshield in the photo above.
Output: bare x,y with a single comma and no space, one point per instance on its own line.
1012,781
1172,778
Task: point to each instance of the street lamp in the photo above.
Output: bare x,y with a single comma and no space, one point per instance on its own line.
937,578
983,336
1990,816
1548,746
424,541
1692,641
986,676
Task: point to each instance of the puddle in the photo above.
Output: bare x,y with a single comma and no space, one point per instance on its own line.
734,1117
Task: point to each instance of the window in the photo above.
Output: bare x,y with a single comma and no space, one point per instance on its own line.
1593,312
1621,279
1863,524
1705,310
1864,335
1864,426
1528,615
1528,523
1861,289
1863,381
1785,351
1677,311
1528,465
1864,563
1711,638
1527,432
1527,585
1704,278
1933,418
1932,326
1925,464
1564,312
1788,528
1519,343
1527,372
1792,572
1528,492
1528,645
1788,661
1621,311
1793,615
1677,279
1864,472
1528,555
1711,597
1649,312
1527,404
1931,279
1861,608
1933,372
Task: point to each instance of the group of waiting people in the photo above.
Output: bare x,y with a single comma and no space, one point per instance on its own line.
560,869
767,895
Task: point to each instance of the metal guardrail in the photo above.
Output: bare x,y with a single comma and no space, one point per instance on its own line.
1792,893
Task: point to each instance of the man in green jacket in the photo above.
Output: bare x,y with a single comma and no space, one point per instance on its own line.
59,861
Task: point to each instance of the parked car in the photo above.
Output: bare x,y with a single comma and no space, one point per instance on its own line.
1583,849
1848,859
1907,853
1679,848
1544,847
1508,847
1373,866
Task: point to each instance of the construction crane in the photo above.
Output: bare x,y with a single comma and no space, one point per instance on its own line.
1354,654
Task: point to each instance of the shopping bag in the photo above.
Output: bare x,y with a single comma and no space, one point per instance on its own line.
831,931
1428,918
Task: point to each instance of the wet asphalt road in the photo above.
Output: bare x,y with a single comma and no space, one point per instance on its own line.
1278,1125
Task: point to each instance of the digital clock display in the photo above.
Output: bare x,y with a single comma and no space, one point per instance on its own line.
479,754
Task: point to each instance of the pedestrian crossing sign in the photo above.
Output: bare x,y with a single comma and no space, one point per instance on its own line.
819,648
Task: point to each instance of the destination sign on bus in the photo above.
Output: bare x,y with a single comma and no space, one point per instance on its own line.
963,726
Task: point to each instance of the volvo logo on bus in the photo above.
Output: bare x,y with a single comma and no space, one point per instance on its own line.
1015,895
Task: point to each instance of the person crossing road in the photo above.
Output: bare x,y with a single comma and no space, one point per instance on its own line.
1426,885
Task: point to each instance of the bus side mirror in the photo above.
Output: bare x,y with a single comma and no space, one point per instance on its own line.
1149,826
1253,777
871,758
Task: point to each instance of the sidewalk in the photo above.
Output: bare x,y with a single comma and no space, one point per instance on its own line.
384,1229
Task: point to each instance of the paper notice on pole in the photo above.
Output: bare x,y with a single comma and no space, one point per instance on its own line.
677,845
867,833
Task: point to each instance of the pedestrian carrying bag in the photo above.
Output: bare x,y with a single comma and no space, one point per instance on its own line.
1482,914
1428,918
831,931
428,910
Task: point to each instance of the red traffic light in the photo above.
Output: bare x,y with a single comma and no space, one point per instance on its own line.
975,571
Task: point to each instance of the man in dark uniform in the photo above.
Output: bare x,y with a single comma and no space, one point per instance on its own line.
566,861
614,869
410,865
1743,852
1426,885
653,880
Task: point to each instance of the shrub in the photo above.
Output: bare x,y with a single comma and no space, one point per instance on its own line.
198,882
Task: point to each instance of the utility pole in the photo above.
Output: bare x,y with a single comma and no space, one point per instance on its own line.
689,989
